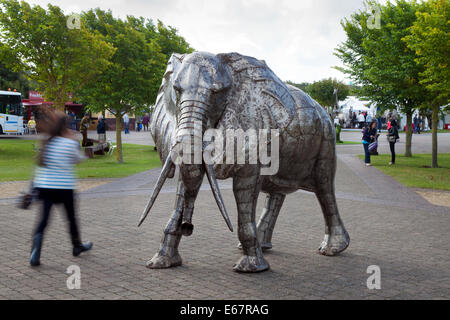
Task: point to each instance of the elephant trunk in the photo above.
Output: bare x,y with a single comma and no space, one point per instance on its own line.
192,124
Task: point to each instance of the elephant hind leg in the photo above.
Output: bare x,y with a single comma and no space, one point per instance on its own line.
266,223
268,218
336,238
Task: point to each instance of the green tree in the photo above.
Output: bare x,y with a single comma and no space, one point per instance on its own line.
13,80
380,62
60,60
132,81
430,38
323,91
302,86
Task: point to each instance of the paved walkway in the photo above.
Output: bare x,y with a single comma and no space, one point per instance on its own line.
390,226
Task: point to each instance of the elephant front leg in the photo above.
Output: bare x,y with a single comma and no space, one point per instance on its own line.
168,255
246,190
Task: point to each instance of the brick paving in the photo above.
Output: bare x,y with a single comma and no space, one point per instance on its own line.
390,226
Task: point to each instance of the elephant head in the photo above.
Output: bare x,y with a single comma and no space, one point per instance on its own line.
200,83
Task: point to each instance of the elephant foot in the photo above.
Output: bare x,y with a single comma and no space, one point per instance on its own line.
264,246
335,243
251,264
163,262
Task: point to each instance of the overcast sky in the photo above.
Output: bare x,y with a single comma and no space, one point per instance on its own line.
295,37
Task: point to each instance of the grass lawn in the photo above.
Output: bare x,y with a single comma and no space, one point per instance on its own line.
413,172
17,161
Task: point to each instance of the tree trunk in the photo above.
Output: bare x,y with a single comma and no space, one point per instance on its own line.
60,105
408,152
119,154
434,161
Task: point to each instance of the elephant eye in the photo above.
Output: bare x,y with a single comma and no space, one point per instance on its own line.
176,88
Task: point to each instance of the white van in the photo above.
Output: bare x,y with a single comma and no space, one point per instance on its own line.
11,113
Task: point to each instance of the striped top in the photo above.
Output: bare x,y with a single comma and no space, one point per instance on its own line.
60,158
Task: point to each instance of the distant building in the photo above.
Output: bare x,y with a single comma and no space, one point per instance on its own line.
35,100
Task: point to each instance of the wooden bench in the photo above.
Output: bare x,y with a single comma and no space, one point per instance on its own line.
99,149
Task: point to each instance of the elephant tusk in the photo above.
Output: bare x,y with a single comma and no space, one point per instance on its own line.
217,195
162,178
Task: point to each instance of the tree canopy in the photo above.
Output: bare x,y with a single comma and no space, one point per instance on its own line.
323,91
379,60
13,80
302,86
131,81
60,60
430,38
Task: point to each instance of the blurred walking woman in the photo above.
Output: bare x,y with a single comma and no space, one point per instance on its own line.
55,179
392,138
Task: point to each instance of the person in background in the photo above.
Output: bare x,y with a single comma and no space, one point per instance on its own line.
379,124
32,125
73,120
55,181
369,136
369,118
361,120
354,120
126,123
101,129
84,125
392,137
145,121
138,123
416,123
419,124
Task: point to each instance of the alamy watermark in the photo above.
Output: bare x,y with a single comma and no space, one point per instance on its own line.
74,21
374,281
74,280
230,146
374,20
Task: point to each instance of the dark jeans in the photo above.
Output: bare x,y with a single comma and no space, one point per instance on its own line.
392,146
50,197
367,153
127,127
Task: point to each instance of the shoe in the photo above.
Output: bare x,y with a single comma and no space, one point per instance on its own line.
368,165
81,248
36,250
390,163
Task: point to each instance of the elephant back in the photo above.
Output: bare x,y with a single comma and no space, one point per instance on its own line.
258,87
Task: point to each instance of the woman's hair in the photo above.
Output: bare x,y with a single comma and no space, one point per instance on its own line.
372,123
56,123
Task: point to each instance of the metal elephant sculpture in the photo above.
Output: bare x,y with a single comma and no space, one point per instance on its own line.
232,91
